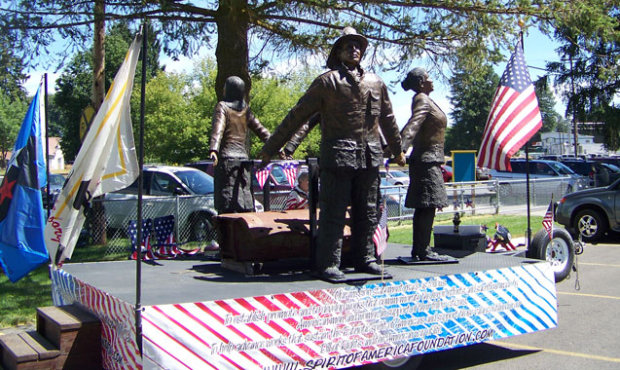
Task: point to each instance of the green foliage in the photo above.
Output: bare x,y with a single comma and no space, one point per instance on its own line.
176,121
590,37
273,97
12,113
11,67
546,103
74,86
472,88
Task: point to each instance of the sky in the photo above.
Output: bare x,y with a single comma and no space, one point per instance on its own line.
538,50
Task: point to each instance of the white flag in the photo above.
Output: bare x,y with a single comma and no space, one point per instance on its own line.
106,162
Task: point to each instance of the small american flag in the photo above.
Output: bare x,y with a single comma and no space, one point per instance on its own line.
290,170
262,174
547,221
381,234
514,115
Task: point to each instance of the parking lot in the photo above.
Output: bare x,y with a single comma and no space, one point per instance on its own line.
588,332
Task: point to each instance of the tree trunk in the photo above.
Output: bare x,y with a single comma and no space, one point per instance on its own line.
232,44
98,229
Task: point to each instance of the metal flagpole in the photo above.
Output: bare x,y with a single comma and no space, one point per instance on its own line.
47,147
138,309
527,164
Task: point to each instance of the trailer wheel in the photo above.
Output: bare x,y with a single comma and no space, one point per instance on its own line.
403,363
559,252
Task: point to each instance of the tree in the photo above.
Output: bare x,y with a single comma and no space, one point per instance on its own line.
75,84
590,49
472,88
11,68
546,104
400,30
12,112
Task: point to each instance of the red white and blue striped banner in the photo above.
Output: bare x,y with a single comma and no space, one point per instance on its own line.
350,326
290,170
119,349
262,174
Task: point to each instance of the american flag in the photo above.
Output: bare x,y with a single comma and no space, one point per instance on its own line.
296,199
381,235
290,170
514,115
547,221
262,174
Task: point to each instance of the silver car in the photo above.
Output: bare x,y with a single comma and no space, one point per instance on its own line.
184,192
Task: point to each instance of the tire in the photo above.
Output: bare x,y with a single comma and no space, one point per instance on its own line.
590,224
202,228
505,190
403,363
559,252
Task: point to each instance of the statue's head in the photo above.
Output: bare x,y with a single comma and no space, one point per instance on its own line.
234,92
348,34
414,80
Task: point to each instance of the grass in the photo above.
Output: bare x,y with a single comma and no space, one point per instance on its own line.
515,223
18,301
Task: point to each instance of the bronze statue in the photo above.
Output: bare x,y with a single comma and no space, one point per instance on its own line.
352,104
425,130
228,150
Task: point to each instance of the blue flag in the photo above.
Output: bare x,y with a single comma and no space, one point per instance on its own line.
22,218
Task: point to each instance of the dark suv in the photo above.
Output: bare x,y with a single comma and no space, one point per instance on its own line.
591,212
598,173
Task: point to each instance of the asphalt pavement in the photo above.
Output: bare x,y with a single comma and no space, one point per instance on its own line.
588,332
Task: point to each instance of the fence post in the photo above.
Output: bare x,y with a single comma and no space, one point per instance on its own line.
497,197
177,219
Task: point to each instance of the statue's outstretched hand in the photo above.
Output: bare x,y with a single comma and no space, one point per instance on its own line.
401,159
213,157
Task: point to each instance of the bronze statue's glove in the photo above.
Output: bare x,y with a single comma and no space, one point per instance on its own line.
265,159
401,160
213,157
284,155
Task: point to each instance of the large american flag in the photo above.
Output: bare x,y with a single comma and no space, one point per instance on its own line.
514,115
380,237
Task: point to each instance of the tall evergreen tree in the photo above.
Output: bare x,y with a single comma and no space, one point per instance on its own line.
472,88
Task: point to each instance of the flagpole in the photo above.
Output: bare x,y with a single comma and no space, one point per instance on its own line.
47,146
138,312
527,162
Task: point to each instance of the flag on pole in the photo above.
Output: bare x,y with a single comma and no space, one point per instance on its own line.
106,162
22,217
380,237
290,170
547,221
262,174
514,115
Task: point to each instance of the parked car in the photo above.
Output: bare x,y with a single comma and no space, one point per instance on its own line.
395,177
541,168
598,173
184,192
590,213
56,181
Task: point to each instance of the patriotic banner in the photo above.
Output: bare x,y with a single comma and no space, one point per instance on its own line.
350,326
106,162
22,218
547,221
380,237
290,170
118,334
514,117
262,174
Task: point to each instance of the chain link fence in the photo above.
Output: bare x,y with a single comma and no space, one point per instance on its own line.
186,220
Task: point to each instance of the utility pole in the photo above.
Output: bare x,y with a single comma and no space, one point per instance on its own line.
572,83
